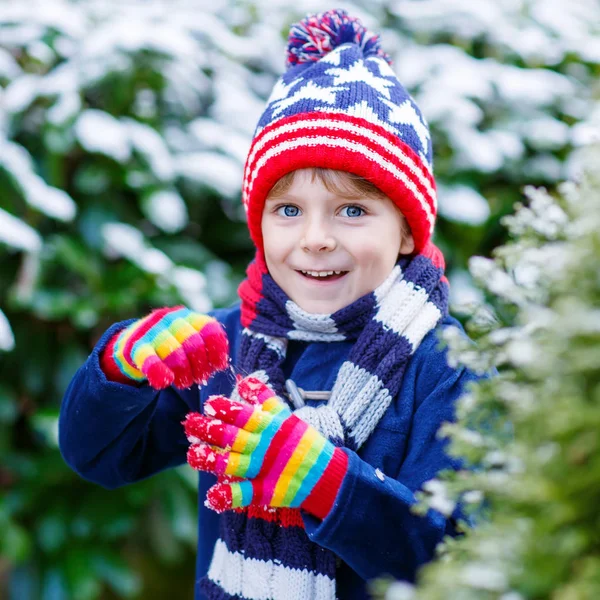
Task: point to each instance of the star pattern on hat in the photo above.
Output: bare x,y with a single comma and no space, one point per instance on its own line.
281,89
359,73
405,114
310,91
331,84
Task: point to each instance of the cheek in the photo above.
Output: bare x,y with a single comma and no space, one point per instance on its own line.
374,250
276,245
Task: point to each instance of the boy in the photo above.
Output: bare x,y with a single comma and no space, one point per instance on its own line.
318,452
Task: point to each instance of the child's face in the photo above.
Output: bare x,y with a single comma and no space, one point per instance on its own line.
312,229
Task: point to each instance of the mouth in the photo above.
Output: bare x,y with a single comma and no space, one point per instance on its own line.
322,276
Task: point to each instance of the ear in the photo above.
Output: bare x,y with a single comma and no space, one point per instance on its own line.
408,244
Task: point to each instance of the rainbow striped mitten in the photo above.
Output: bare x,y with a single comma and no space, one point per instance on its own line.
282,460
172,345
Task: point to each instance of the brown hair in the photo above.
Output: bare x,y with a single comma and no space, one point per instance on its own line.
342,183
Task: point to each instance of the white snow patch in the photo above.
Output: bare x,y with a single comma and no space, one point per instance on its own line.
20,93
484,577
97,131
7,338
438,496
151,145
463,204
211,169
51,201
64,109
18,234
167,210
127,241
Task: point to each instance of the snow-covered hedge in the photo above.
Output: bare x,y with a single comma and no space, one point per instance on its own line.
529,435
123,132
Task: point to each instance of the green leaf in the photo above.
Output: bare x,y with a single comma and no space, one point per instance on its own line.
45,424
15,543
52,532
8,405
116,573
81,576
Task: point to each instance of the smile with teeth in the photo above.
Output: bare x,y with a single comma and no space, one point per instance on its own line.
322,273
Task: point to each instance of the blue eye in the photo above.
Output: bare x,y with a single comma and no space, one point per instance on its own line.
353,211
289,210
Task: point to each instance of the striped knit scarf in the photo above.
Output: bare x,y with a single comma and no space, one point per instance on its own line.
263,552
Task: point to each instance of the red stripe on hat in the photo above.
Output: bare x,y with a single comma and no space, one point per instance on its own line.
394,139
341,159
363,137
321,155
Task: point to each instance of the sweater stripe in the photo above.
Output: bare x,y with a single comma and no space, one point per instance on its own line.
256,579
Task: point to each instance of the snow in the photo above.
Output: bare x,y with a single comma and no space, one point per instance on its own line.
64,109
546,31
542,215
33,17
125,240
42,52
484,577
211,169
7,338
50,200
234,103
475,150
97,131
218,136
462,289
462,204
536,87
400,590
20,93
151,145
192,287
496,280
122,240
9,67
140,32
546,133
167,210
18,234
438,497
473,497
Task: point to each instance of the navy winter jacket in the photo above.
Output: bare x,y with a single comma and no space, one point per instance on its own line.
115,434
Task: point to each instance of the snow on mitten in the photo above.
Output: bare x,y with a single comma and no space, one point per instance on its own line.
284,461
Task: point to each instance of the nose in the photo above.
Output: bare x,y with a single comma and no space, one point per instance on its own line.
317,237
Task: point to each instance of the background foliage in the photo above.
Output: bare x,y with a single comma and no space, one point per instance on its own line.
536,489
123,132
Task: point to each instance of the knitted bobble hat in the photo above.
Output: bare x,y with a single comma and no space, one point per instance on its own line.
340,106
